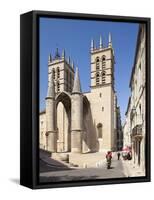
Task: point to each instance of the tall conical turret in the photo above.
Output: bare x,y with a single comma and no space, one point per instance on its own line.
69,60
72,65
92,45
57,55
50,58
63,54
110,40
51,87
76,116
100,42
50,116
77,85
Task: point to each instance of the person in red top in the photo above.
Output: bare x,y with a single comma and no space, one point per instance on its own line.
108,159
109,155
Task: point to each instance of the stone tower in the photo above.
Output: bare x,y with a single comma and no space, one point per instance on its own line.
102,89
102,64
62,70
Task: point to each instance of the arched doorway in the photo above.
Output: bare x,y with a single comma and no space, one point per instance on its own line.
63,122
89,133
99,130
100,136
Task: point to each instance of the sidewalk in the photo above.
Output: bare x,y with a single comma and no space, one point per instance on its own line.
131,170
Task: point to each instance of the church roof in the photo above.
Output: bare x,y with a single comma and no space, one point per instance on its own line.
77,85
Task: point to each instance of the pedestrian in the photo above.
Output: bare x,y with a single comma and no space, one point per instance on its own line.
129,156
118,154
108,159
109,155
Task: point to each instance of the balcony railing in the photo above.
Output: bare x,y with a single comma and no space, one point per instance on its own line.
137,131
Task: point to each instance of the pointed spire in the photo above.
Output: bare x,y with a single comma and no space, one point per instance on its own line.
100,42
57,56
51,87
63,54
77,85
110,40
50,58
92,45
69,60
72,64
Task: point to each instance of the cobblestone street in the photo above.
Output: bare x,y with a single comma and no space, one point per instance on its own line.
59,172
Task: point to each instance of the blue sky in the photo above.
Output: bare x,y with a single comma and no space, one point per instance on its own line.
75,37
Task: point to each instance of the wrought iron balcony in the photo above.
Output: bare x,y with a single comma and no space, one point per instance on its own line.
137,131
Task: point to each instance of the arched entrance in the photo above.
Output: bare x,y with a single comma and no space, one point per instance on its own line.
63,122
89,133
99,130
100,136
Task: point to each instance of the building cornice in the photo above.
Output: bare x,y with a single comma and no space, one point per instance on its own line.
96,51
136,54
55,62
101,85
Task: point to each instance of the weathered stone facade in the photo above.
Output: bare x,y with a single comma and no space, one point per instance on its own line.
119,130
79,122
134,127
127,126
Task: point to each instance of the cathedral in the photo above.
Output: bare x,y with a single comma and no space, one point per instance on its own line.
75,121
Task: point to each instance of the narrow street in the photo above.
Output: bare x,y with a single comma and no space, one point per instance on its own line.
62,173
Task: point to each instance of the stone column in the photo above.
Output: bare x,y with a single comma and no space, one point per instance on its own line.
76,116
77,123
51,116
50,124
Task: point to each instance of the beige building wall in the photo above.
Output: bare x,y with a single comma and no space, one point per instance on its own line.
135,118
138,98
42,130
127,126
115,122
101,109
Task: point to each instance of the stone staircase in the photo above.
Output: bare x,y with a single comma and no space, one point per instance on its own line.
85,160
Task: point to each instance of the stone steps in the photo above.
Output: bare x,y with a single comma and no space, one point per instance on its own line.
86,160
